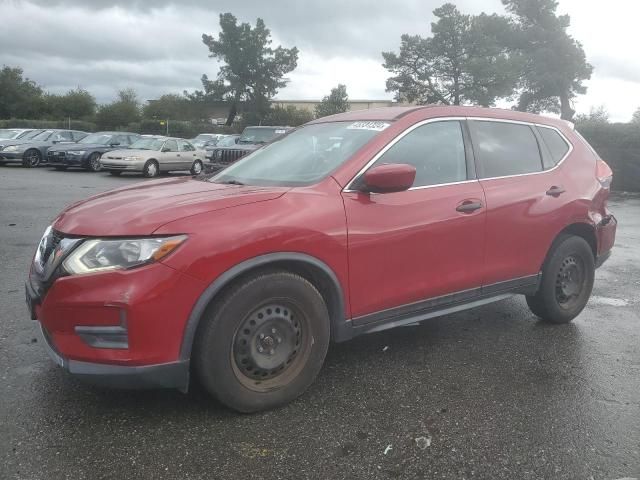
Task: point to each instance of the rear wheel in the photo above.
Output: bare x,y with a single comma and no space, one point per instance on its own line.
567,281
151,169
93,164
196,168
31,158
263,343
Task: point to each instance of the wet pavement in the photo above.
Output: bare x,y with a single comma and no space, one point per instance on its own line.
491,393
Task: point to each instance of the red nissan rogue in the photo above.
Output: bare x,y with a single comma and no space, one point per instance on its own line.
353,223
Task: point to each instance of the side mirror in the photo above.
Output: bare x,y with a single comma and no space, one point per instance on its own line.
388,178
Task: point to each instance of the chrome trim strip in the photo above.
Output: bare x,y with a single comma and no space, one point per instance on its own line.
347,189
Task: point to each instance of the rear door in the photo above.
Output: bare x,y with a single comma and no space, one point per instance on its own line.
407,248
169,156
524,201
187,154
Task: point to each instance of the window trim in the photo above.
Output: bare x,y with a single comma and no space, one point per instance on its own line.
530,124
469,157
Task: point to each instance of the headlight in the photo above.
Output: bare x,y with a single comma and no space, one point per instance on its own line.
131,159
76,152
102,255
11,148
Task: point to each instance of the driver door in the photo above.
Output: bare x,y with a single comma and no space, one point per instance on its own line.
408,248
169,156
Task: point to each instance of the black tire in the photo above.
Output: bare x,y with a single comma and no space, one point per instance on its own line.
115,173
196,168
60,168
151,169
263,342
31,158
93,163
567,281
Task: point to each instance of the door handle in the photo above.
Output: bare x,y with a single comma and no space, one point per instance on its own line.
555,191
469,206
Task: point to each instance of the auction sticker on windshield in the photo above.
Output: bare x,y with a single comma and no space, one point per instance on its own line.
377,126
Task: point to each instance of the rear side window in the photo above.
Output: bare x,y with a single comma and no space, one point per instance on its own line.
504,148
557,145
435,149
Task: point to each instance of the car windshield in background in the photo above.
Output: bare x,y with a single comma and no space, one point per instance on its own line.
96,139
226,142
44,135
29,134
260,135
7,133
147,144
303,157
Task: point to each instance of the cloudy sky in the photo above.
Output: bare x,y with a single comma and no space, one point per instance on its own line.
155,46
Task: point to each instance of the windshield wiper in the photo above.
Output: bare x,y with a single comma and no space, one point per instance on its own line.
232,182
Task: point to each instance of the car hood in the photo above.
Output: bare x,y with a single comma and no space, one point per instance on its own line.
129,152
76,146
142,208
7,143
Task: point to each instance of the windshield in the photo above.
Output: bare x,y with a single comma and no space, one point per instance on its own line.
147,144
29,134
303,157
9,133
227,141
97,139
44,135
260,135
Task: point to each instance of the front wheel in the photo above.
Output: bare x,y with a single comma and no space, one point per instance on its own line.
263,342
567,281
93,164
151,169
32,158
196,168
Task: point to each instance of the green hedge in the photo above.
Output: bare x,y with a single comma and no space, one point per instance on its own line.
619,145
23,123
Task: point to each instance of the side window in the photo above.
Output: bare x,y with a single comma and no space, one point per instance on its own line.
435,149
63,136
121,139
557,145
77,136
504,148
184,146
171,146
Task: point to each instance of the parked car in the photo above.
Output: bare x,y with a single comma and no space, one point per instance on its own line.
33,151
353,223
154,155
250,140
201,140
88,151
24,136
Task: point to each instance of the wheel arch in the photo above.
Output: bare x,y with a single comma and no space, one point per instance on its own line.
583,230
311,268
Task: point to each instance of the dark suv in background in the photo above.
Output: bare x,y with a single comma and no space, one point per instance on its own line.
87,152
32,152
250,140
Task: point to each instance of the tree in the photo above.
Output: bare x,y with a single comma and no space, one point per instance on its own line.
287,116
466,60
169,106
596,116
336,102
253,71
635,119
120,113
555,65
19,96
76,104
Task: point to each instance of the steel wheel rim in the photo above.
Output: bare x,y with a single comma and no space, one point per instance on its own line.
570,281
270,346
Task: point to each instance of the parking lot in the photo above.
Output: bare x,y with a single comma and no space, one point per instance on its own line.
488,393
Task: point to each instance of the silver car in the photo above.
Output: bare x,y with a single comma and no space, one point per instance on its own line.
153,155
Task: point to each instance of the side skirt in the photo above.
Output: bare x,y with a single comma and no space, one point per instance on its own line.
444,305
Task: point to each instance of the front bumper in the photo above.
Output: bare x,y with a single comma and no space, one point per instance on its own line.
122,166
11,156
166,375
67,161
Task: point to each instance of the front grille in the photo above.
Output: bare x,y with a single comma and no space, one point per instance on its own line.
227,157
56,156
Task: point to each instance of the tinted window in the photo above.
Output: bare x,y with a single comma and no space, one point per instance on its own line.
171,146
557,146
185,146
435,149
505,148
62,137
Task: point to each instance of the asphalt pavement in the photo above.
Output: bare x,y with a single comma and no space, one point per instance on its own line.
491,393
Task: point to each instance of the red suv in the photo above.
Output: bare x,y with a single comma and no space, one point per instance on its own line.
351,224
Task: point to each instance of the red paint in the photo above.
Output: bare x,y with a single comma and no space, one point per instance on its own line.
385,249
389,178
